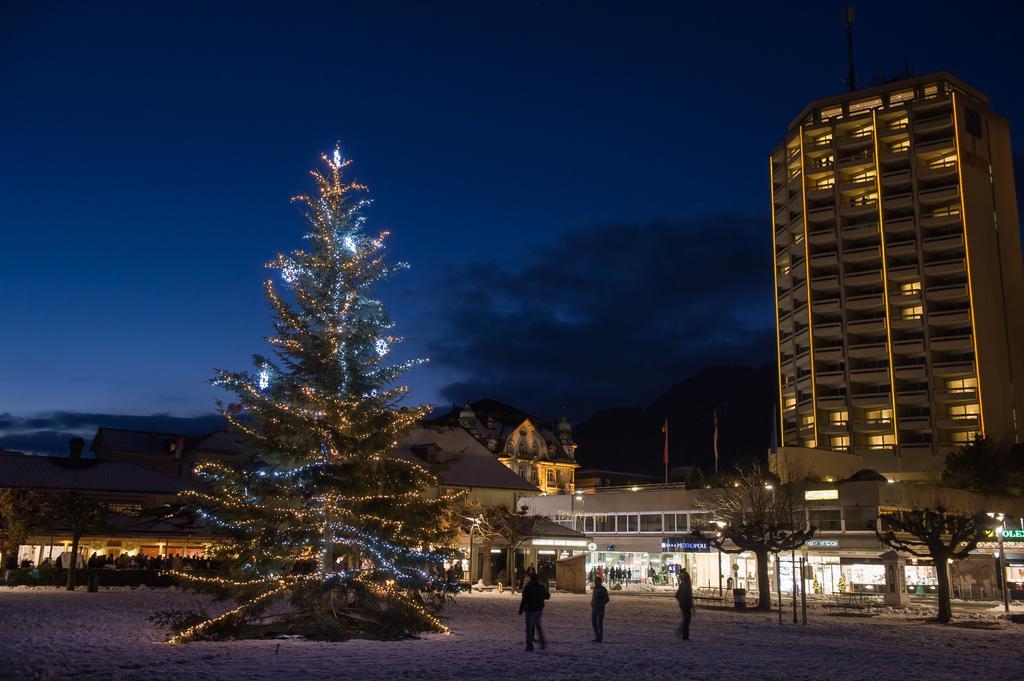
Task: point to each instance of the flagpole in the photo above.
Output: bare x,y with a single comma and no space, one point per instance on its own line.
665,428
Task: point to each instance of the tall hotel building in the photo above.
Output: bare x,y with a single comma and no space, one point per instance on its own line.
899,285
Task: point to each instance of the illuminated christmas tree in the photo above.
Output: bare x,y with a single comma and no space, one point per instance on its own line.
320,515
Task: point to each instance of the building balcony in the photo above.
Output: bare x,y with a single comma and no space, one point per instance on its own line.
898,201
896,178
932,123
932,221
905,299
827,306
861,255
902,248
852,210
832,399
898,226
866,326
870,376
872,425
952,292
958,423
959,318
860,231
825,283
946,171
945,144
825,260
940,244
871,301
829,378
877,398
822,237
833,330
908,347
953,368
940,268
957,343
902,273
906,323
911,398
832,353
834,427
864,278
957,396
820,215
910,372
939,195
876,351
915,424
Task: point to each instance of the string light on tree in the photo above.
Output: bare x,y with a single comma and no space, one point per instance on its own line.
321,514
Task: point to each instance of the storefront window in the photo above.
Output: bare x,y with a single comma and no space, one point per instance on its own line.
605,523
699,521
588,525
862,576
650,522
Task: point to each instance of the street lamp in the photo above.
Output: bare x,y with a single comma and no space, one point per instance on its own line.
721,525
475,526
1001,555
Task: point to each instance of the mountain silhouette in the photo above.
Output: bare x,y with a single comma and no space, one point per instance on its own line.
629,439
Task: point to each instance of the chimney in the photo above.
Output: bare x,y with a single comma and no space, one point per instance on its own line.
75,446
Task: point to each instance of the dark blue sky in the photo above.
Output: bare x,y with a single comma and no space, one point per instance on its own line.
581,189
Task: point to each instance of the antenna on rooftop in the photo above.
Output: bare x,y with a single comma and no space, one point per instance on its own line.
851,78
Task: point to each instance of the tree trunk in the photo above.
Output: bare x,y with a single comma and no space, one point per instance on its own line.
511,569
764,586
73,567
942,575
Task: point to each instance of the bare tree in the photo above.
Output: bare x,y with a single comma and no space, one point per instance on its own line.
760,516
78,514
501,521
938,533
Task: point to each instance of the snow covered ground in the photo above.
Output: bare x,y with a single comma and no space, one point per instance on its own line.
52,634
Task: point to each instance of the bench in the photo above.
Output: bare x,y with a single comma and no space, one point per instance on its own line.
853,604
711,596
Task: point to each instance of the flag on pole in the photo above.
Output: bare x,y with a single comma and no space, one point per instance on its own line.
664,429
715,422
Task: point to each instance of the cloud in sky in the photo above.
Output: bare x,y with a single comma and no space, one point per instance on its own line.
611,315
48,433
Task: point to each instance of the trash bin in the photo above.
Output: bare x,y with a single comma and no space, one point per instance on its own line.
739,598
94,582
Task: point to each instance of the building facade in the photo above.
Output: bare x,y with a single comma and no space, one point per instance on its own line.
649,534
544,457
899,285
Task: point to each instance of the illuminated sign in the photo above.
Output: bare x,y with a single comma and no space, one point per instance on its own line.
591,546
685,545
559,542
822,543
1009,535
821,495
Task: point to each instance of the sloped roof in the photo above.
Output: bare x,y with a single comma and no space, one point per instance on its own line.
498,420
53,472
539,526
461,460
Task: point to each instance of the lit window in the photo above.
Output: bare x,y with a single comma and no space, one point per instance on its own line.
863,131
901,96
807,421
790,402
964,412
910,287
897,147
963,437
839,418
832,112
914,312
899,123
881,441
825,183
863,176
840,442
945,161
961,385
931,91
879,415
865,199
943,211
822,139
865,104
810,444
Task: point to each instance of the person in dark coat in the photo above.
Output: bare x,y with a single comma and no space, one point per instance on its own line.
532,604
684,594
598,600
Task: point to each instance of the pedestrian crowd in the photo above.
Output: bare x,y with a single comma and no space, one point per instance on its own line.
124,561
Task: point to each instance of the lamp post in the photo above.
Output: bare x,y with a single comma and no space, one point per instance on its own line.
999,528
721,525
472,556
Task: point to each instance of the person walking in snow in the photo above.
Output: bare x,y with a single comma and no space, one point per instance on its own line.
598,600
684,594
532,605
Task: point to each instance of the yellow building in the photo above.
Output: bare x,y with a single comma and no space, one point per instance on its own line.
543,457
898,276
